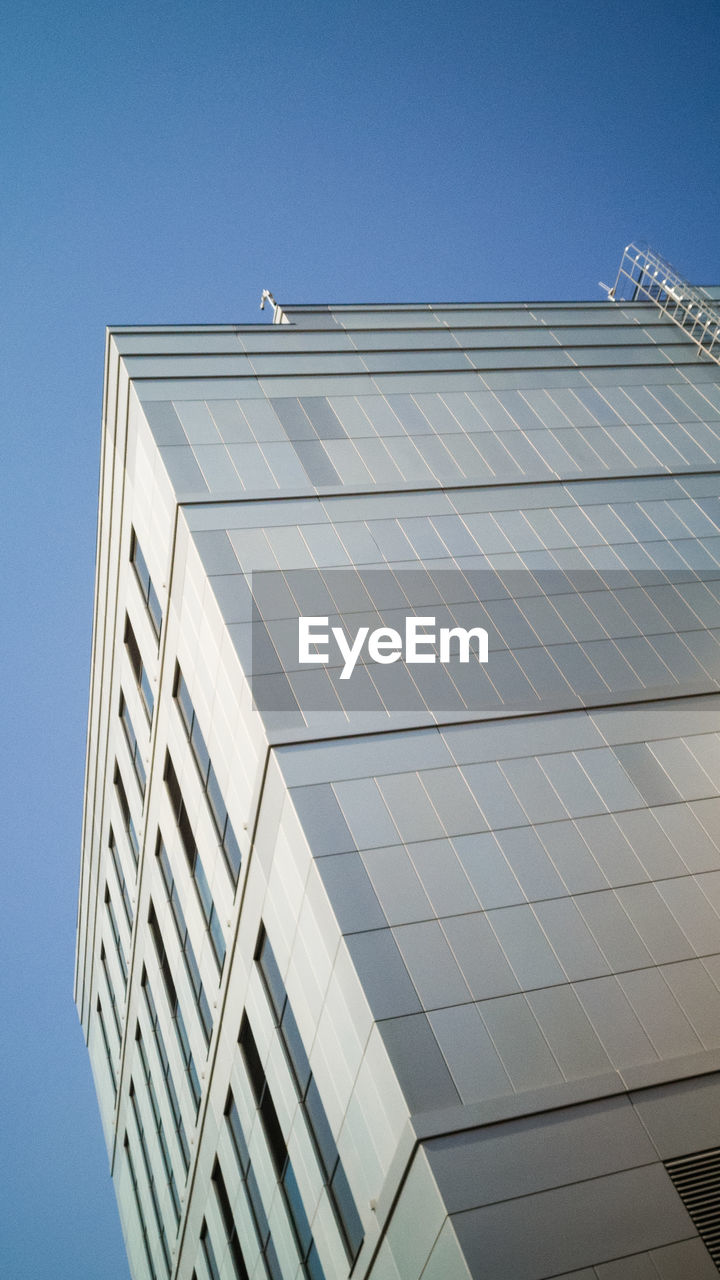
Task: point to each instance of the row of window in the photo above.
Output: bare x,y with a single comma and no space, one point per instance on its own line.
226,1213
252,1191
194,861
138,1206
108,1051
175,1012
166,1072
278,1152
186,946
157,1121
318,1126
208,1254
208,777
159,1223
309,1098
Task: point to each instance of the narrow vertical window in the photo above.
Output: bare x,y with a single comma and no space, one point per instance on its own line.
133,745
138,669
147,589
308,1094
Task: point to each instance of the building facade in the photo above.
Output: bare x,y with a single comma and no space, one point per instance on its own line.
415,971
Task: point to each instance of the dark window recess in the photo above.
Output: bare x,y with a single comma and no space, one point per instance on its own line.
138,669
175,1013
106,1044
278,1152
223,825
167,1076
252,1191
696,1179
160,1225
127,819
111,993
140,1214
146,587
157,1122
208,1252
122,883
112,918
133,745
197,871
226,1213
186,946
338,1188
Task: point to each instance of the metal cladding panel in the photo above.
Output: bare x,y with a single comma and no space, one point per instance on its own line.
493,887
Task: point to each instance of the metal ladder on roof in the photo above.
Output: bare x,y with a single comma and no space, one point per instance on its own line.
643,274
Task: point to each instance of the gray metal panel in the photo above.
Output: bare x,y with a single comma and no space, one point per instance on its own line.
682,1117
589,1222
470,1054
573,1042
530,863
350,892
431,964
397,885
488,870
480,956
682,1260
418,1063
383,975
520,1043
522,1157
443,877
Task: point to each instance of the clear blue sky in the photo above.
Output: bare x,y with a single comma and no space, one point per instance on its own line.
165,162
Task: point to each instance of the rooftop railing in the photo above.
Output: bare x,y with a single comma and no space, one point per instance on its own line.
643,274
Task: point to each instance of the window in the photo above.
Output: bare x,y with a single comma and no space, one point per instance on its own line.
341,1197
167,1076
108,1051
150,1178
122,884
133,745
223,825
111,993
138,669
186,946
205,898
138,1206
127,819
208,1252
157,1121
171,993
252,1191
278,1152
226,1213
147,589
112,918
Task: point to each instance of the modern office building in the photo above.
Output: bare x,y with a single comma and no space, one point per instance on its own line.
410,970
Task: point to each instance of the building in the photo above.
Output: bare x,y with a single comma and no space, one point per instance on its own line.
414,972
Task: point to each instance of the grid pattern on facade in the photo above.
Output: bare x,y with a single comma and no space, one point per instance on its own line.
589,593
535,904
